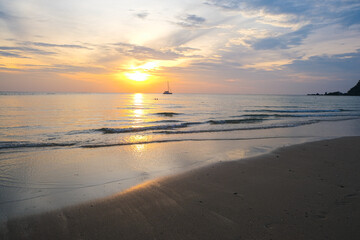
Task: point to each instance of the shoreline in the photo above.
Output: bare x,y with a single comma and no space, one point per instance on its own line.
304,191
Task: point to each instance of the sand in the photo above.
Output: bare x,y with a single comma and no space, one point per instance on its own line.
307,191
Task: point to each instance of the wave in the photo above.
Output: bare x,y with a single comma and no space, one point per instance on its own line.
13,144
284,125
143,129
175,106
236,121
299,110
290,106
86,131
100,145
175,126
182,140
23,127
296,115
4,145
166,121
251,119
167,114
281,125
167,129
116,120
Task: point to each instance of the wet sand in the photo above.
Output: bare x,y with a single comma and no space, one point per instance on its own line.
307,191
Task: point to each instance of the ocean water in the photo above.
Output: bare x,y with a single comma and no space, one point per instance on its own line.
61,149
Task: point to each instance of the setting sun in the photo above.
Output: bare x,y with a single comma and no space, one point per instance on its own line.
137,76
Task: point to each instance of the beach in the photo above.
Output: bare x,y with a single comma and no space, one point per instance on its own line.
212,119
60,150
305,191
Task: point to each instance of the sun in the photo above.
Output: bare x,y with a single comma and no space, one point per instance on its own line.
140,72
137,76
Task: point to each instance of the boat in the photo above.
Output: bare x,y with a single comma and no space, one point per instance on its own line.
167,91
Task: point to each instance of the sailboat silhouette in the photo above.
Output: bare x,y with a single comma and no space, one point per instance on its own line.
168,90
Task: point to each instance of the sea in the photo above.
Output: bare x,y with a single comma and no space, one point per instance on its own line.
61,149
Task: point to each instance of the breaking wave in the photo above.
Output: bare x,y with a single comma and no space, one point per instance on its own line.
299,110
167,114
13,144
235,121
285,125
144,129
297,115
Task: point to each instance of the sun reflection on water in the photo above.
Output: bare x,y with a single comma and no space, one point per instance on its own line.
138,139
138,99
139,147
139,118
138,111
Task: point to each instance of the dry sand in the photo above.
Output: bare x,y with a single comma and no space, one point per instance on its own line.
308,191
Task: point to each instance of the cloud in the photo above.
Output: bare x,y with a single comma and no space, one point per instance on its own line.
42,44
338,65
281,6
186,49
194,19
231,80
187,35
142,15
24,50
142,52
5,16
270,6
59,68
283,41
254,40
191,20
346,13
56,68
10,54
11,22
226,4
350,17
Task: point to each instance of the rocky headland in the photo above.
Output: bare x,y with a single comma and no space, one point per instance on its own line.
354,91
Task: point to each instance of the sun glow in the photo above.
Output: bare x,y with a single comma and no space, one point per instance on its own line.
137,76
141,72
149,65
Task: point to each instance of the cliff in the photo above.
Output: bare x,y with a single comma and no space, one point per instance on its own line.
355,91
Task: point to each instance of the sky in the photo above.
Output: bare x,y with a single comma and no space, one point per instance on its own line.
199,46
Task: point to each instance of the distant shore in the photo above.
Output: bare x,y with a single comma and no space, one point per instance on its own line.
354,91
307,191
